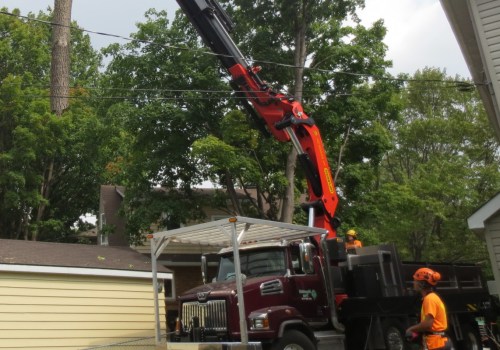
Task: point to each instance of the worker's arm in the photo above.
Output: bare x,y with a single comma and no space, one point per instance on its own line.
424,326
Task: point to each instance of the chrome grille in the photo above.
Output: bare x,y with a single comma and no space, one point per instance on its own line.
212,314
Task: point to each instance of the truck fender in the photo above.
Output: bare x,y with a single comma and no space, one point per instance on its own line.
286,317
294,339
298,325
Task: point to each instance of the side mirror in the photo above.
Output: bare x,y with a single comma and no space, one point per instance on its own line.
204,269
306,257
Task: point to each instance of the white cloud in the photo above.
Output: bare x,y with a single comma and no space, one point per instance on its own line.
419,35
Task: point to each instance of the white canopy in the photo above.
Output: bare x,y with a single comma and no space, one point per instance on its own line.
219,233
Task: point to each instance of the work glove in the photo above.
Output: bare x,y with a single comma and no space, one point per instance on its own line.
411,336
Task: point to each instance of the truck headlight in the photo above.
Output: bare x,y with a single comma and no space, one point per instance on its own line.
259,322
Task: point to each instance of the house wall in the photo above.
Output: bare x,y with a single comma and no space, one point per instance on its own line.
492,235
52,311
109,206
187,277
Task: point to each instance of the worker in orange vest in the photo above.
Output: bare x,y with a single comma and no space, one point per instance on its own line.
433,322
352,240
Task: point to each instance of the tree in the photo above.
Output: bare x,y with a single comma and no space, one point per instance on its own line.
444,164
166,119
168,106
313,34
59,88
32,137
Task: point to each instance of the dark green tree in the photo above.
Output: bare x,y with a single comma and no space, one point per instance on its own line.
32,137
340,55
166,115
444,164
172,97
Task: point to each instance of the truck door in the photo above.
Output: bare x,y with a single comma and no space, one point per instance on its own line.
308,291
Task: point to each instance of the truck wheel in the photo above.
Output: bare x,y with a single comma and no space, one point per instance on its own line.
452,344
394,336
472,340
293,340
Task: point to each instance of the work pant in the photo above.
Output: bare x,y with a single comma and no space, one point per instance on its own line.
447,346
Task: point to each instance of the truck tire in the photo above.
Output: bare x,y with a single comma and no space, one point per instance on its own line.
472,340
394,338
452,341
293,340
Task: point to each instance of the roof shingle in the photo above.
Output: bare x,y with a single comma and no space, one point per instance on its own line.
73,255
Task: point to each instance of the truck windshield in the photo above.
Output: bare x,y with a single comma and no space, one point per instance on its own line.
253,264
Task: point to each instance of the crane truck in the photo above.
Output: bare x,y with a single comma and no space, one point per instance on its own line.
305,291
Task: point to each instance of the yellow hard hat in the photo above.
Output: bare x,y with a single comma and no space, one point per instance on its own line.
351,233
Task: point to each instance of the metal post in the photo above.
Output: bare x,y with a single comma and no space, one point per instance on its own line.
239,285
153,242
310,221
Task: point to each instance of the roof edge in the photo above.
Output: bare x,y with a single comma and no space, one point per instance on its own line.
480,216
82,271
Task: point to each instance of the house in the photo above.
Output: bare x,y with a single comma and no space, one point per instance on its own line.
485,222
74,296
476,25
183,259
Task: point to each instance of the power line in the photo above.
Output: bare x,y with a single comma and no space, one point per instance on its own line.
227,97
329,71
228,93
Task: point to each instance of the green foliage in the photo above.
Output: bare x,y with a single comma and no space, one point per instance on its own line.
412,159
151,134
177,137
45,161
444,164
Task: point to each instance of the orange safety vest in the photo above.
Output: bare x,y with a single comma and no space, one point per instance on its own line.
353,244
434,306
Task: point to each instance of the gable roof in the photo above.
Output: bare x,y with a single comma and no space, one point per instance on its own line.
74,258
477,220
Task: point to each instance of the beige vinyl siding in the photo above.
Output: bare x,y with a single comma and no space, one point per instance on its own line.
493,229
486,15
55,311
492,235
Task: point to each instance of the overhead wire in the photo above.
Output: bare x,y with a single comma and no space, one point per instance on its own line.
205,52
228,95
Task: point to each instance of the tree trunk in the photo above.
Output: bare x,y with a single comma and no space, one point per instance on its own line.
299,61
232,193
60,64
59,87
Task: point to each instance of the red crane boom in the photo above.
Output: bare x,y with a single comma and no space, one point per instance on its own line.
284,117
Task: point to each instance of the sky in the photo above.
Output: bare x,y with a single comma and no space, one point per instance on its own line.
418,36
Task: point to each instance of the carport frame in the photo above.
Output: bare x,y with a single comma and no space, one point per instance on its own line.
230,232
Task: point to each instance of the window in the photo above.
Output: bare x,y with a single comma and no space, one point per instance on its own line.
168,286
297,266
254,263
